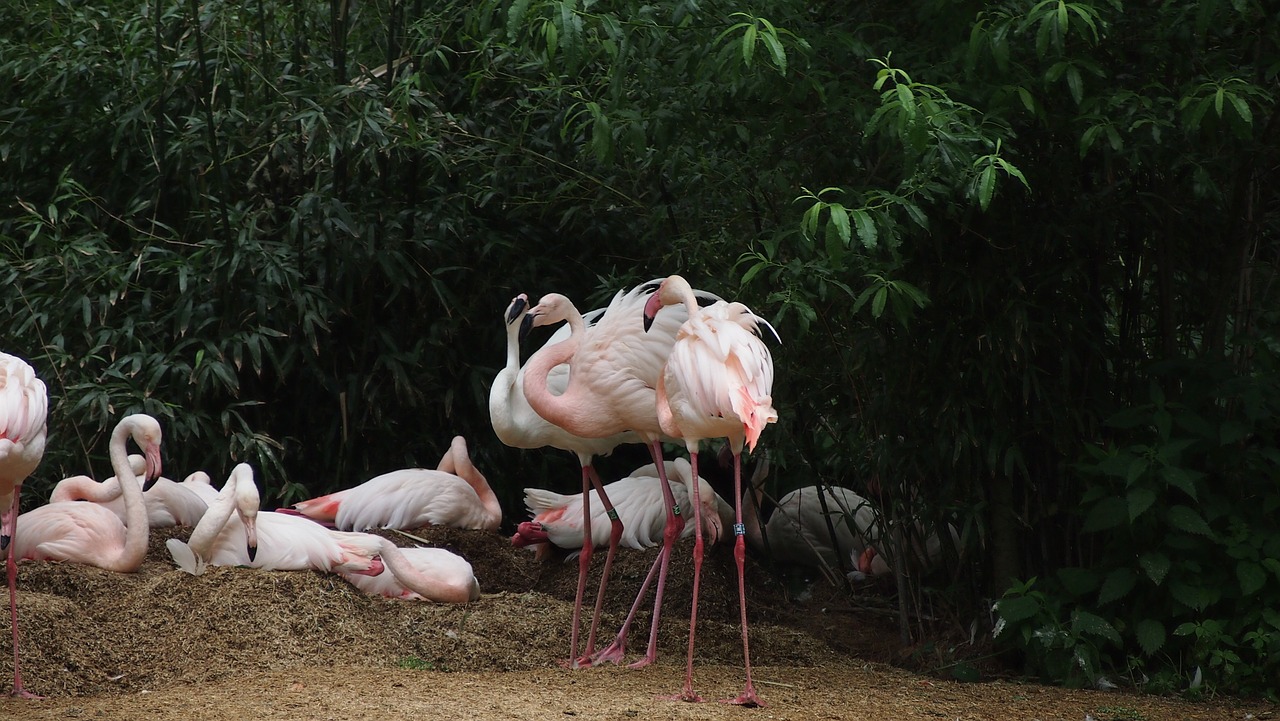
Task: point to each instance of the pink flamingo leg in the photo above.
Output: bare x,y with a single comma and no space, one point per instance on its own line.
688,694
616,651
670,534
615,535
584,564
748,696
8,526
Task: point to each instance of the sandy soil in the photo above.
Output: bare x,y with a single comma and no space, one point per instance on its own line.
239,643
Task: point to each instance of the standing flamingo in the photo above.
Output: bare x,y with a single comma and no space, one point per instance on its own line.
614,367
429,574
456,494
270,541
168,503
89,533
717,383
519,426
557,521
24,404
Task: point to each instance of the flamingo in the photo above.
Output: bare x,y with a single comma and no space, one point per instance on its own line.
429,574
455,494
89,533
519,426
168,503
638,498
614,367
270,541
797,530
24,405
716,383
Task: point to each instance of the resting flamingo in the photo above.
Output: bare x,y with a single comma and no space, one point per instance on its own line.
613,369
717,383
428,574
797,530
168,503
455,494
519,426
88,533
638,500
24,404
270,541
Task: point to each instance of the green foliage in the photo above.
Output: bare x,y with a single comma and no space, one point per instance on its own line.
1032,298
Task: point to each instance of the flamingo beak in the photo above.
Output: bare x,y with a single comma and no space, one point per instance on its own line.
152,454
376,567
526,325
518,305
251,536
651,308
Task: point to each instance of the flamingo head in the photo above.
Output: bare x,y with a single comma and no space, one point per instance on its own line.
516,310
146,433
673,290
247,502
552,308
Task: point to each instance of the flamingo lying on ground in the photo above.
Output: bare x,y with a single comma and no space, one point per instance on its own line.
24,405
798,531
428,574
270,541
638,498
89,533
168,503
456,494
716,383
519,426
614,367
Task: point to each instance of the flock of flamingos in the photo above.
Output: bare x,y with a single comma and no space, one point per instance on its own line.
663,362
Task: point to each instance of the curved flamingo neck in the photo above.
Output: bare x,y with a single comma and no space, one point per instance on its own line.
563,410
458,462
420,583
213,521
137,531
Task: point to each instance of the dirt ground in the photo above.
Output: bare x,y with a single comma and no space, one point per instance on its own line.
239,643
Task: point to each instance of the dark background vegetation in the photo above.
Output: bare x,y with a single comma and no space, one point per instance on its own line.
1022,256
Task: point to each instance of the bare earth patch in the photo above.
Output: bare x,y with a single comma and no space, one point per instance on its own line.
239,643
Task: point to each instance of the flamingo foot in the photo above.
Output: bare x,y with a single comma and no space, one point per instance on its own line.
688,695
23,693
643,661
613,653
747,698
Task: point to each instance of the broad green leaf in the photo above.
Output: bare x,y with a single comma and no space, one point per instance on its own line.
1156,565
1118,585
1014,610
1150,634
1140,499
776,51
1252,577
1194,597
840,219
1083,622
515,16
1189,520
986,186
1241,108
878,301
749,45
866,228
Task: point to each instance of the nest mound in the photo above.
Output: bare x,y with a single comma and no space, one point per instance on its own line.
87,631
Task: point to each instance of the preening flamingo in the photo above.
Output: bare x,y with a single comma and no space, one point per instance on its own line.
88,533
638,499
614,367
716,383
24,404
428,574
267,540
797,531
519,426
456,494
168,503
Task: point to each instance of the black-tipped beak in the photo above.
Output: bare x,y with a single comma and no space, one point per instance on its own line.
518,305
253,552
648,322
4,542
152,454
526,325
